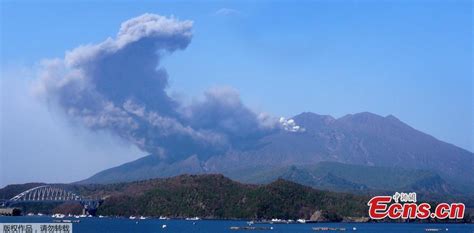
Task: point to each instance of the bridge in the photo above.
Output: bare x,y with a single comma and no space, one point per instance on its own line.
52,193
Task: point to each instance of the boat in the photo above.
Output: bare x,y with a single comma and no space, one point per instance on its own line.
329,229
301,220
163,226
279,221
163,218
142,218
250,228
132,217
40,214
58,215
67,221
30,214
262,222
193,219
433,229
71,221
276,220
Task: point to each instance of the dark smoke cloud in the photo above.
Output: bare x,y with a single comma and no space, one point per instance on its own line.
119,86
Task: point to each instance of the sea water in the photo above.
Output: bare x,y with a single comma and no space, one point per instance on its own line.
125,225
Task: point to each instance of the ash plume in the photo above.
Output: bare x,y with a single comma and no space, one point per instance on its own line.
119,86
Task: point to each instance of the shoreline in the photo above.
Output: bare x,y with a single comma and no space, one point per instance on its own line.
254,221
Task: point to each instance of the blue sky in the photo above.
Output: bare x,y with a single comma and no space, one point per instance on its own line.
412,59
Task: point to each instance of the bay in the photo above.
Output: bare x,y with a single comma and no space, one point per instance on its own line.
125,225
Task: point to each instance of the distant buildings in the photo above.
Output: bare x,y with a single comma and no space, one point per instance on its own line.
10,211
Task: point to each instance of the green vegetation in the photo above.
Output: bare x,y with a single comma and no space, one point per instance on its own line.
214,196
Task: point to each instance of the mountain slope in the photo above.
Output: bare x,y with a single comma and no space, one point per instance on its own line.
352,178
146,168
359,139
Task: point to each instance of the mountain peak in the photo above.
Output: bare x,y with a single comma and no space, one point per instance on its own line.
362,116
312,121
370,120
312,115
362,138
391,117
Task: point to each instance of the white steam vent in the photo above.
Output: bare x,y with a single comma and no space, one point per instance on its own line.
290,125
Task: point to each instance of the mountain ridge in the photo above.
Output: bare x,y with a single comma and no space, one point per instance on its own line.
365,139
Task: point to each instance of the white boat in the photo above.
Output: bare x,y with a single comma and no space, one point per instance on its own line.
132,217
100,216
58,216
30,214
142,218
163,218
433,229
163,226
193,219
276,220
301,220
40,214
82,216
